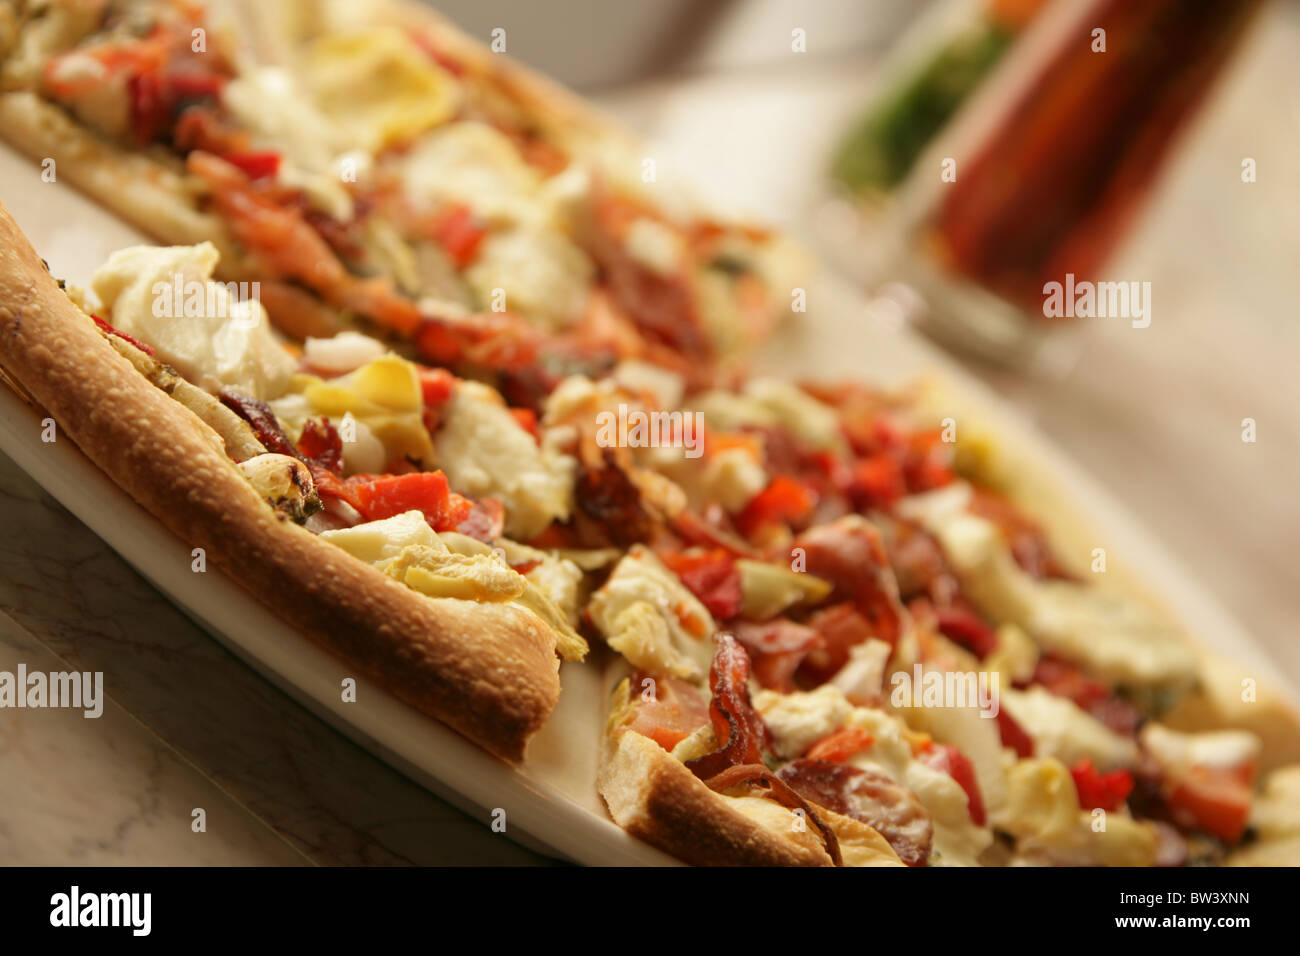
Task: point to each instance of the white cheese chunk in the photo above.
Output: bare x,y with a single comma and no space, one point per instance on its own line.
539,271
486,453
342,353
797,721
1112,637
1060,729
165,296
768,402
1217,749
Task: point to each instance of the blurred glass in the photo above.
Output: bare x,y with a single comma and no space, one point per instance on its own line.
1053,131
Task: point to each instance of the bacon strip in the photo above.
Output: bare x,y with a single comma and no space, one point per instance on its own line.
850,553
778,648
734,719
779,790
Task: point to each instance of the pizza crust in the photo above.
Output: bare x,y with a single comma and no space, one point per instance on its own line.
652,795
143,190
489,671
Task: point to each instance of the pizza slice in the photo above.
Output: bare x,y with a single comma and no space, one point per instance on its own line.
311,477
375,169
869,630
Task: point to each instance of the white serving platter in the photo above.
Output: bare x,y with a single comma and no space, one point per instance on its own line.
550,801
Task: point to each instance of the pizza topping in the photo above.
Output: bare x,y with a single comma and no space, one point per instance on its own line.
608,496
777,648
872,740
661,305
736,724
1024,536
485,453
1113,638
1060,729
667,710
378,541
839,746
758,777
649,616
769,589
285,483
1206,779
289,245
1065,680
850,555
1096,789
342,353
1050,827
953,762
109,330
450,565
1013,735
892,810
773,404
426,492
785,501
547,595
264,423
712,576
843,629
167,297
321,444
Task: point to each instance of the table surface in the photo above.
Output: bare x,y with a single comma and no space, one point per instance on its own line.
1155,414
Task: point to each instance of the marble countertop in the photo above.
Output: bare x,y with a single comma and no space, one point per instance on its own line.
189,726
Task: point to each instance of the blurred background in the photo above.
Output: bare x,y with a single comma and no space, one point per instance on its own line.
1127,164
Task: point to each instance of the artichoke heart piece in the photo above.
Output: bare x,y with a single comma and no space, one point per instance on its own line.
378,87
284,482
536,595
445,574
768,589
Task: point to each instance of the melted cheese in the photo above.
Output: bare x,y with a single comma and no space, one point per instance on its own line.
798,720
1113,638
486,453
767,403
1217,749
1060,729
204,332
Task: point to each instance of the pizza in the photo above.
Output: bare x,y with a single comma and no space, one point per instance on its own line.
840,625
374,169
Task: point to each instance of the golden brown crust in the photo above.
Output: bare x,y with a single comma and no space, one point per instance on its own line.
652,795
144,191
489,671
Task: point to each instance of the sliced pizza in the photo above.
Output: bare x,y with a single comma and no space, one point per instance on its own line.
870,630
310,478
373,168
